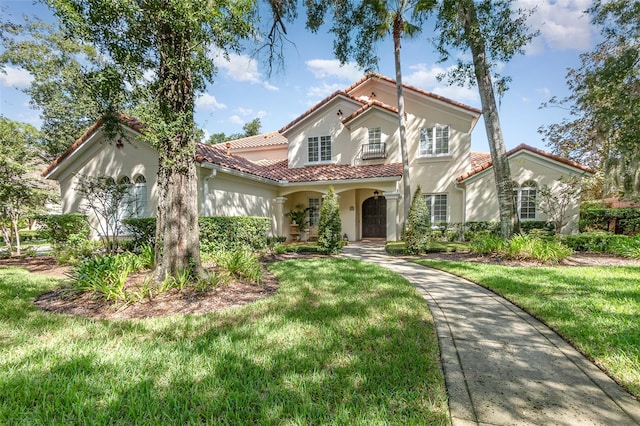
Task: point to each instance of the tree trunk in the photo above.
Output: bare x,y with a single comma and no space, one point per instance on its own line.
14,222
501,170
177,231
406,182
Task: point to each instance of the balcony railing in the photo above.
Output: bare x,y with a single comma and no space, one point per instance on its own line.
371,151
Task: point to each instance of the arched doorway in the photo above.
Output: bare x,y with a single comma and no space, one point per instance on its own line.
374,218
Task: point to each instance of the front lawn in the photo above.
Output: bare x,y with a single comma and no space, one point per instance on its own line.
340,342
597,309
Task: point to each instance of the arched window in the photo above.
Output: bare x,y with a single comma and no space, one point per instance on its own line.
125,208
526,200
140,196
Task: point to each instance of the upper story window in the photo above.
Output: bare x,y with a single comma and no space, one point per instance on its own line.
526,199
375,137
319,149
437,205
434,141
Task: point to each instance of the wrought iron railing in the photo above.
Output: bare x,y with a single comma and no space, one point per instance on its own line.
371,151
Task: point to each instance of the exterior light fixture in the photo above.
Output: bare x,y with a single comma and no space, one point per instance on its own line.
376,194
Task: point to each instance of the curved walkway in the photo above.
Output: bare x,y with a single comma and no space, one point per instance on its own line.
501,365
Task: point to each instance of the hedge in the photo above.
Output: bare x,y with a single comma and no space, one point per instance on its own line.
216,232
59,227
623,221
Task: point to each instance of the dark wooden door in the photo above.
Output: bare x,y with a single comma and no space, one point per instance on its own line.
374,218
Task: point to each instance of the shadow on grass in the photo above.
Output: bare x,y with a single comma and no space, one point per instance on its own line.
341,342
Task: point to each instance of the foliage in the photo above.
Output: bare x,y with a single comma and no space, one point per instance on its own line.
141,230
604,242
240,264
110,202
22,191
627,220
596,309
233,233
330,225
418,224
400,247
294,351
59,64
299,216
556,200
58,228
493,32
105,275
521,247
251,128
604,102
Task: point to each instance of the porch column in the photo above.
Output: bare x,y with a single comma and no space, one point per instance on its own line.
393,198
280,215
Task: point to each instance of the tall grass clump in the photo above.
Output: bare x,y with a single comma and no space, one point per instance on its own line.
240,264
522,247
105,275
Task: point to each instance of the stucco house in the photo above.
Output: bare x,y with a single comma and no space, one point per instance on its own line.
349,140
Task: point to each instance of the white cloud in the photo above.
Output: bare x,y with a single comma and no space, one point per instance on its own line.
317,93
563,25
323,68
241,68
15,77
206,101
248,112
235,119
426,77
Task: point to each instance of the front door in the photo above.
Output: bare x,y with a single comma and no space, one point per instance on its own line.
374,218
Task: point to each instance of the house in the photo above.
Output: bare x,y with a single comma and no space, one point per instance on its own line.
350,141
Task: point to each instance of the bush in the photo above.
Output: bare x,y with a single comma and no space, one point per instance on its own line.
142,231
105,275
604,242
240,264
417,227
232,233
31,234
330,226
59,227
625,221
522,247
487,244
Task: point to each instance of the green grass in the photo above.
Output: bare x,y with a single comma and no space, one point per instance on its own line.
341,342
597,309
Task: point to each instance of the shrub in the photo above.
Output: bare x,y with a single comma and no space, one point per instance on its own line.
330,226
487,244
240,264
622,221
604,242
528,247
57,228
396,247
141,230
233,233
105,275
417,226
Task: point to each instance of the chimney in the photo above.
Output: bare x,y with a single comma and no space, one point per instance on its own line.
228,148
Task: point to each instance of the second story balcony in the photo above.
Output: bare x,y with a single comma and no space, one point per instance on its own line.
373,151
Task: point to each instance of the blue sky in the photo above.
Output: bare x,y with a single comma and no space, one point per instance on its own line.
243,91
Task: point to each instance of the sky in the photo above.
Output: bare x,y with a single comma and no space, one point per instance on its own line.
243,90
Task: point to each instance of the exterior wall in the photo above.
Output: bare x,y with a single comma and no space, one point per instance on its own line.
482,203
102,158
325,122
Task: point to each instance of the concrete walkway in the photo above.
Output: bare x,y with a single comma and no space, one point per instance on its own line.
502,366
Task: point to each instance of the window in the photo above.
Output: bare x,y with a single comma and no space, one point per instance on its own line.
526,199
125,208
375,138
437,205
319,149
140,197
434,141
314,211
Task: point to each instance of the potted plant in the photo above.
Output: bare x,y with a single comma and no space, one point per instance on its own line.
299,216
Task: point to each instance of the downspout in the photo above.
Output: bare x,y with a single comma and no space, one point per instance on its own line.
463,189
205,190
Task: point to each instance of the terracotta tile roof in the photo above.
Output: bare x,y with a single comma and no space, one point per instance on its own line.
339,93
367,107
412,88
258,141
128,121
279,171
482,161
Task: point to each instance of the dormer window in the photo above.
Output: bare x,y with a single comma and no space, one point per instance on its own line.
434,141
319,149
